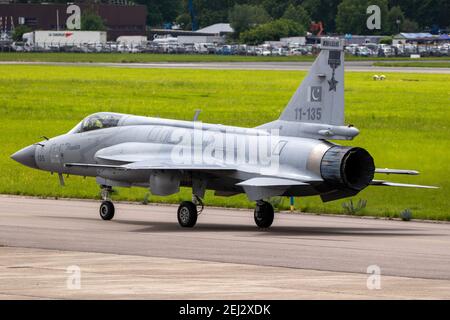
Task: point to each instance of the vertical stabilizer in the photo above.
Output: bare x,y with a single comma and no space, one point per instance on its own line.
320,97
316,110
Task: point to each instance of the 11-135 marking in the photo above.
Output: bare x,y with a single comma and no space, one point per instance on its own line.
308,114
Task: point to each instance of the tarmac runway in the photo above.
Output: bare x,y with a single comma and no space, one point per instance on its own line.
143,253
356,66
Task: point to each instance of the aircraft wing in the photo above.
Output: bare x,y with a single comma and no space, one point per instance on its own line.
131,156
165,165
158,164
395,184
150,165
149,156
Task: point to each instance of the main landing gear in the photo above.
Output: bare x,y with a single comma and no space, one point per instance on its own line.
188,212
264,214
107,207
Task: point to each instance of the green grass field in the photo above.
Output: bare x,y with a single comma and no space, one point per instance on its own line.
404,123
150,57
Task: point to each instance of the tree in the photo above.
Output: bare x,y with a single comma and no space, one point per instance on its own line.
212,11
272,31
209,17
352,17
297,14
425,13
184,20
409,26
386,40
243,17
276,8
92,21
394,20
19,31
421,14
323,10
160,11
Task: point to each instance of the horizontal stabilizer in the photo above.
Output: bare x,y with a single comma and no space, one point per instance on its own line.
395,184
270,182
397,171
266,187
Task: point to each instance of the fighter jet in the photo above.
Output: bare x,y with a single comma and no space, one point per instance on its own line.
290,157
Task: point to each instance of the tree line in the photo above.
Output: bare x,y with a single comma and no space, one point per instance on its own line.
254,20
337,16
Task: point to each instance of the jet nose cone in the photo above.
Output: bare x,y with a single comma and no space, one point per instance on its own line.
26,156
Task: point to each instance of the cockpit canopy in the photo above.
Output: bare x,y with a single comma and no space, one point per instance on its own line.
98,121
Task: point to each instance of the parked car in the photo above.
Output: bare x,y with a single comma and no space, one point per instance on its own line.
362,51
18,46
224,50
298,52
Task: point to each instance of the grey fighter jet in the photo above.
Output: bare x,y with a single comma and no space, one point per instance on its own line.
290,156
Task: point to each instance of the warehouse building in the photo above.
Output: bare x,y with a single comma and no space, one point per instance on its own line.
119,20
420,38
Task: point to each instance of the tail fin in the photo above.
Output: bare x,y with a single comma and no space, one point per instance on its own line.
320,97
316,110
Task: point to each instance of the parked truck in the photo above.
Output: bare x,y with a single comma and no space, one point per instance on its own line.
49,39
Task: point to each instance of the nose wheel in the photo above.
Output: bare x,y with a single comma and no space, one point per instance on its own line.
107,210
107,207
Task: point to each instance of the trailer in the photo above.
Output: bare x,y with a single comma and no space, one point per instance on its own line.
48,39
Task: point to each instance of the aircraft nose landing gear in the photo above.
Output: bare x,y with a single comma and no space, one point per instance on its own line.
107,210
107,207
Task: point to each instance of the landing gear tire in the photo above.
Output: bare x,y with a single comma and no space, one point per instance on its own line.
264,215
107,210
187,214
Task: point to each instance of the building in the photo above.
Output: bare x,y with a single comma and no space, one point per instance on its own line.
186,40
219,29
215,33
119,20
361,39
420,38
155,32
